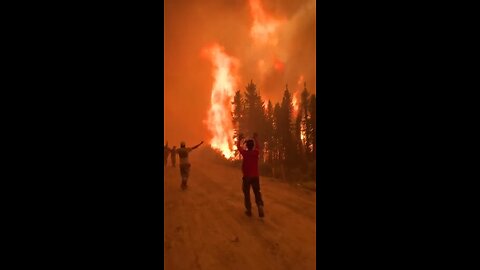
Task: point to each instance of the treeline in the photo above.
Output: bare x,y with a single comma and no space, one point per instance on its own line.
288,139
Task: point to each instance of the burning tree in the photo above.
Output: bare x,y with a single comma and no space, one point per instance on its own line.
237,116
225,80
313,130
269,133
306,123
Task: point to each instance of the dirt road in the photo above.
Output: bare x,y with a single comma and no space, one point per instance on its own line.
206,228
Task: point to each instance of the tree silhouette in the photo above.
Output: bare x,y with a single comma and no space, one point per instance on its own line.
280,131
313,130
286,128
269,132
297,137
277,140
237,115
306,121
254,114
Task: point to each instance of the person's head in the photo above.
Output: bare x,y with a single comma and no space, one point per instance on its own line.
249,144
182,144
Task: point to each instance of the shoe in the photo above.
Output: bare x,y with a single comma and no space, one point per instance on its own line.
260,211
248,213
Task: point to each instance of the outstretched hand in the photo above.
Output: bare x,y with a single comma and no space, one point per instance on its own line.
197,145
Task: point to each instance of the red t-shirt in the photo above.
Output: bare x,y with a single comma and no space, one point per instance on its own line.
250,161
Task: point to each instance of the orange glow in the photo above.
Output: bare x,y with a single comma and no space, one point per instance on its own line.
219,119
300,80
295,96
278,65
295,103
274,41
264,27
302,133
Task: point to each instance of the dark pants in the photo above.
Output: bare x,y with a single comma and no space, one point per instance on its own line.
185,173
185,170
255,183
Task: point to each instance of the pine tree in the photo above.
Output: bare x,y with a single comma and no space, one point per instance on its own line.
297,136
254,114
237,115
286,128
306,121
269,134
313,112
277,146
250,100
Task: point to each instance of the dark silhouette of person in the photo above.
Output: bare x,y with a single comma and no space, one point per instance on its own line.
250,174
174,156
184,163
166,152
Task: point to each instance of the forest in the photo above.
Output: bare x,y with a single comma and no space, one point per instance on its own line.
287,133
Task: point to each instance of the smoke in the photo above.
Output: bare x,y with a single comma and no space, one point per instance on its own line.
283,51
281,46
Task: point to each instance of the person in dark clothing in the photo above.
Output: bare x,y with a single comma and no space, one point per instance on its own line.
174,155
250,174
166,152
184,162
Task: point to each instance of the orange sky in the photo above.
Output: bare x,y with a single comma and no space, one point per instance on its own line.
270,59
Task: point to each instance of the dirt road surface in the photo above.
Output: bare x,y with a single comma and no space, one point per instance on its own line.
206,227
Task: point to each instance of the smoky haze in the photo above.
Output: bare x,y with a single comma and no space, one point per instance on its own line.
190,26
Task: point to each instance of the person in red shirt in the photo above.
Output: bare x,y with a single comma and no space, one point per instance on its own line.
250,174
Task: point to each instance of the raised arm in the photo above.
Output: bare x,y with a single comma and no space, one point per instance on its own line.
257,145
239,143
197,145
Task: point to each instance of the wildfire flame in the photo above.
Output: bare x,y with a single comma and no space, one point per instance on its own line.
295,103
302,134
296,111
303,127
295,96
219,119
264,32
